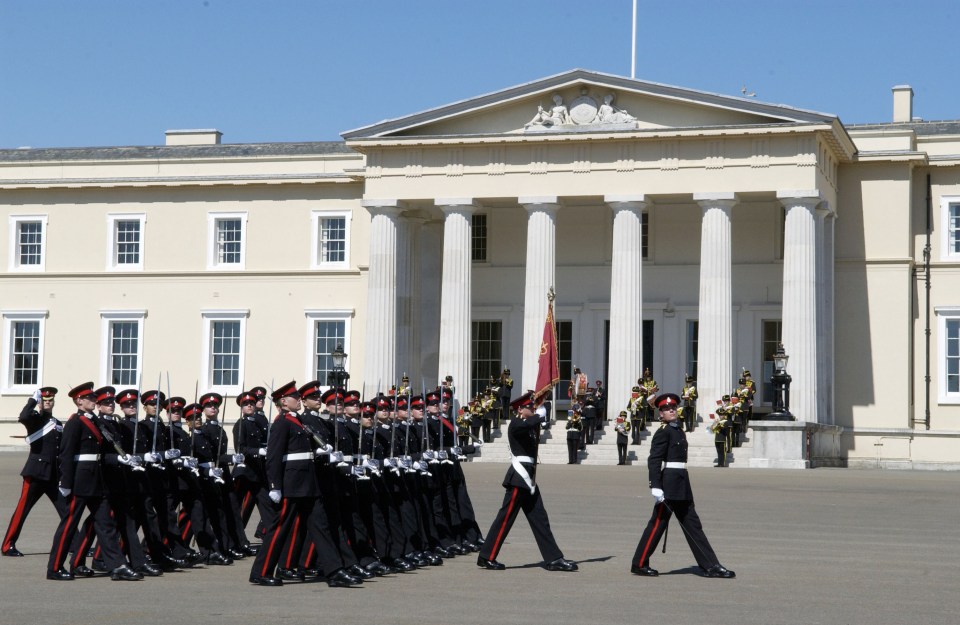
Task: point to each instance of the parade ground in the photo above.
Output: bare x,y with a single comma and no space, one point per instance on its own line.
824,546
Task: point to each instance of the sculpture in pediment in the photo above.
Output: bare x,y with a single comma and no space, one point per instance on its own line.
583,114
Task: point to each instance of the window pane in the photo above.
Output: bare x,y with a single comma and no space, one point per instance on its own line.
29,242
124,340
333,240
693,336
953,228
644,233
127,244
486,357
26,352
327,335
225,353
229,241
478,238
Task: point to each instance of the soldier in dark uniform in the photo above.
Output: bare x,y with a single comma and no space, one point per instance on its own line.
81,485
600,394
689,397
635,406
292,481
670,486
721,430
250,477
183,489
503,395
589,416
40,473
574,432
522,493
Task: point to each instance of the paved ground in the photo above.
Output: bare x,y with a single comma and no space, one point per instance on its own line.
823,546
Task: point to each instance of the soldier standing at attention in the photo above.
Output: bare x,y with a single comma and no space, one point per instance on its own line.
40,472
574,432
670,487
522,493
622,427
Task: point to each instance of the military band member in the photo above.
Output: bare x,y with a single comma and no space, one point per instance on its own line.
689,397
670,487
40,472
622,428
721,430
505,386
600,394
522,493
81,485
648,390
590,418
748,397
578,385
574,432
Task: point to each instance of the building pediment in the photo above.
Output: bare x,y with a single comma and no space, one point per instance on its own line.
581,101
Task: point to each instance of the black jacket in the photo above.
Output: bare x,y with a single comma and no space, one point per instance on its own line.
669,445
42,462
523,435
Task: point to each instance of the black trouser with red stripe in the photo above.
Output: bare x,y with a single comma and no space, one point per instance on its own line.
691,528
103,524
33,490
298,515
514,500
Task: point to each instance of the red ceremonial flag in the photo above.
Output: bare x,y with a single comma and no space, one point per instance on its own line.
548,367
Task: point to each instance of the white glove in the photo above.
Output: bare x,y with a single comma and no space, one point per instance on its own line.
262,452
64,491
275,496
216,472
237,458
152,457
130,461
171,454
190,462
36,396
327,448
657,494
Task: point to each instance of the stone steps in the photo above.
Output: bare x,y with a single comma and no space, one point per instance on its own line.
553,448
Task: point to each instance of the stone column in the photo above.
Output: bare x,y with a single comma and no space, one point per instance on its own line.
408,296
800,300
380,355
825,221
540,276
715,338
626,299
455,294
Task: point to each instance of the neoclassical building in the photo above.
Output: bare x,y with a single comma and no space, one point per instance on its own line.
683,231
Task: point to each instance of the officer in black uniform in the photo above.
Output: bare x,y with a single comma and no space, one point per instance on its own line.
40,473
250,477
670,486
523,435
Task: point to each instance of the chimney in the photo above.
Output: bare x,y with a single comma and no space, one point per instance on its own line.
193,137
902,103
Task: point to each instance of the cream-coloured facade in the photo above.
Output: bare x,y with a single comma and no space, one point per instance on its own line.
695,230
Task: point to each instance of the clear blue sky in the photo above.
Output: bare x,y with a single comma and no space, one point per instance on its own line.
121,72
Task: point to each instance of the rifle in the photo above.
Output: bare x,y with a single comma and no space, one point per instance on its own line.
136,417
168,411
156,424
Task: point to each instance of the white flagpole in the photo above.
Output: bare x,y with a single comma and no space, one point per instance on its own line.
633,49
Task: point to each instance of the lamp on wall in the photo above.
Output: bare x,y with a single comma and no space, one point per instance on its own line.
338,375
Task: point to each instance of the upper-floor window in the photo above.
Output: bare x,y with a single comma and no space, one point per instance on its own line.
478,237
227,240
126,242
950,218
27,242
331,239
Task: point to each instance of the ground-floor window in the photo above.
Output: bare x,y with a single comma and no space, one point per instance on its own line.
772,335
486,359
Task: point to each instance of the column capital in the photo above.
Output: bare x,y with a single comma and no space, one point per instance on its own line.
626,202
458,205
724,200
825,209
809,198
382,206
546,203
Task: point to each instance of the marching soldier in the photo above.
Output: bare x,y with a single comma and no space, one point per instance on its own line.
522,493
40,472
623,428
250,477
689,397
670,487
293,485
81,485
183,489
